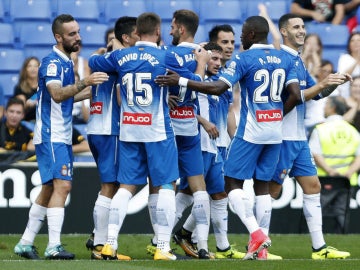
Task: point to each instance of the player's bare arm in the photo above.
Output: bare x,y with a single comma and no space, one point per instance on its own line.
327,85
211,88
60,94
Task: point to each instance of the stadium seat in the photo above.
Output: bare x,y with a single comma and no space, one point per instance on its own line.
333,54
113,9
81,10
334,36
219,11
166,8
38,52
201,34
92,34
165,32
36,34
2,12
11,60
7,37
275,8
8,82
30,10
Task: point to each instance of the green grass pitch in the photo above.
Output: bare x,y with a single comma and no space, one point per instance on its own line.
295,249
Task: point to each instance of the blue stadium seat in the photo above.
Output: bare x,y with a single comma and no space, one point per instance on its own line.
11,60
7,37
92,34
275,8
333,54
165,32
2,12
166,8
8,82
334,36
113,9
39,52
201,34
81,10
30,10
36,34
219,11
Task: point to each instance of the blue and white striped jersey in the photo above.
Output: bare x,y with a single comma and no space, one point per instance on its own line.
263,73
54,120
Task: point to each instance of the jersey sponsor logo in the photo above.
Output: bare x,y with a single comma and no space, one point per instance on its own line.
137,119
268,116
51,70
182,113
96,108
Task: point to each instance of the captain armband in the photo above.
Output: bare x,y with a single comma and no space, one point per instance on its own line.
183,82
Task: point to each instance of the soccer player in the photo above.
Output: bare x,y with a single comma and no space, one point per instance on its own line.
295,157
145,131
183,115
52,138
263,73
213,168
103,135
224,36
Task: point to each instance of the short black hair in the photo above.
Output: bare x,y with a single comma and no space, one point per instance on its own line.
124,25
214,32
212,46
16,101
284,19
59,21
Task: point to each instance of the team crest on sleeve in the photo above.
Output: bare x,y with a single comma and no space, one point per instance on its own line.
51,69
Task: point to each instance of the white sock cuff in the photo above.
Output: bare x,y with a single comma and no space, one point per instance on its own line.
186,199
167,192
153,197
55,211
311,196
103,201
123,192
219,203
201,195
37,208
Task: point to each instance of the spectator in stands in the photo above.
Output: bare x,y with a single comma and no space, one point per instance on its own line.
335,146
350,62
79,142
312,53
2,99
351,7
353,114
81,109
314,113
27,86
319,11
14,135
